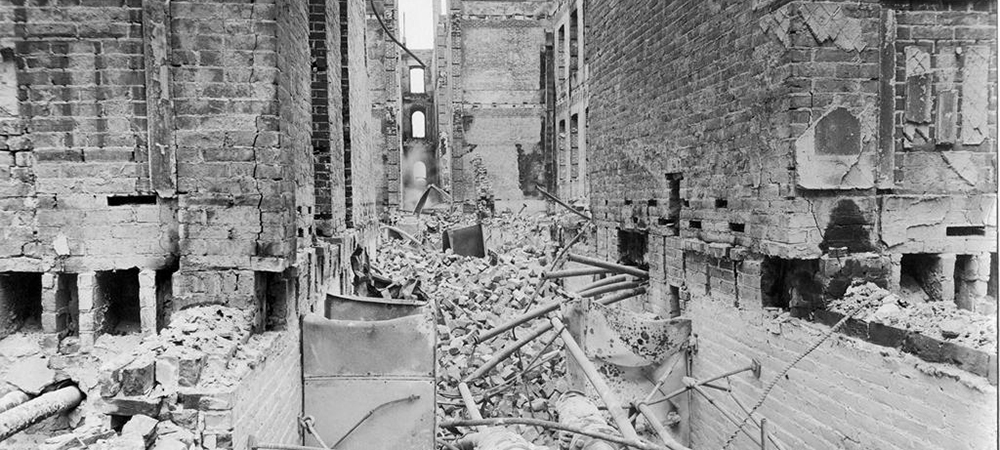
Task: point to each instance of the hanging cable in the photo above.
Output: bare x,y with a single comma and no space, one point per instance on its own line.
389,33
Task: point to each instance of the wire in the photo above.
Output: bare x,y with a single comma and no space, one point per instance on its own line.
389,33
780,375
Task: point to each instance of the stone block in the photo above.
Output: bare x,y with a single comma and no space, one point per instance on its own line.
138,377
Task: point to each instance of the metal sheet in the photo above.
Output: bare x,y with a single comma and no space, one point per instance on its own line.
624,338
632,350
404,346
396,422
370,379
466,241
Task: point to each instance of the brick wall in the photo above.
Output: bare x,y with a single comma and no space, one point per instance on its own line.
75,134
497,93
846,394
571,98
384,72
268,402
735,134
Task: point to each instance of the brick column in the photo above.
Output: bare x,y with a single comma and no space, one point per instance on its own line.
972,280
896,266
147,301
945,273
50,307
86,287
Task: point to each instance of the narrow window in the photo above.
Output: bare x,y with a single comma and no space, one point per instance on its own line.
563,154
419,124
574,142
561,54
574,53
416,80
674,205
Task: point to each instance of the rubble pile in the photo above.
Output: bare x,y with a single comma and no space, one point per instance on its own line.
474,295
205,349
938,319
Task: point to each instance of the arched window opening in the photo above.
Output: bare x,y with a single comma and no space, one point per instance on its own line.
419,124
419,171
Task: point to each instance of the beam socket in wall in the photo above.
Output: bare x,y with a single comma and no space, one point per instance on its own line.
966,231
632,248
127,200
116,302
675,301
272,300
20,302
675,203
696,224
737,227
721,203
67,305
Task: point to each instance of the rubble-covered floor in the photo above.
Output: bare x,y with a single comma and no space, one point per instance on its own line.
476,294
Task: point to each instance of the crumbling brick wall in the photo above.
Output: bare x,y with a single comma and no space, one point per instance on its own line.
384,74
361,159
744,138
497,96
223,210
75,135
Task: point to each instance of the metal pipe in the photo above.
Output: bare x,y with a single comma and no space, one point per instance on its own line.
663,378
725,413
754,366
470,402
543,310
607,281
556,263
763,434
534,313
778,445
615,407
608,265
506,352
12,399
575,272
37,409
610,288
561,203
661,430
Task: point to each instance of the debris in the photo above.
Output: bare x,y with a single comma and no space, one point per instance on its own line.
31,375
474,295
938,319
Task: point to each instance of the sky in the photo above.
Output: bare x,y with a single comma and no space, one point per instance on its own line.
419,26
